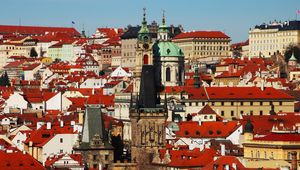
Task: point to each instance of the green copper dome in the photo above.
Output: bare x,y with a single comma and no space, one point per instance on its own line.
167,49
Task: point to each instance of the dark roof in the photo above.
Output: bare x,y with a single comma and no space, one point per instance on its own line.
290,25
148,92
132,31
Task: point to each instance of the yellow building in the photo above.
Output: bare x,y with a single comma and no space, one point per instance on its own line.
233,102
267,39
203,45
271,151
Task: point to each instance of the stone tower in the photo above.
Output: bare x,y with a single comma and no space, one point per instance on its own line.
147,122
94,144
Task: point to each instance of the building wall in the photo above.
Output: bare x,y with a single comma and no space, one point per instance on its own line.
204,48
256,153
55,146
266,42
233,109
128,51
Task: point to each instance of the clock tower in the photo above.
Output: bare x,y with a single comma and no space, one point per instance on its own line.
144,55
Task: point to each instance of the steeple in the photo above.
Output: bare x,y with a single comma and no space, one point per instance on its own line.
163,29
144,33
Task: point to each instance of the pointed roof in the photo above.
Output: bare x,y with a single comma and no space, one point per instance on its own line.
206,110
93,126
163,27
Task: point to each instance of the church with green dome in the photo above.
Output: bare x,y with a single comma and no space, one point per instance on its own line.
168,58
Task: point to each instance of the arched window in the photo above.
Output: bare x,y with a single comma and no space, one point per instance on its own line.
145,59
168,74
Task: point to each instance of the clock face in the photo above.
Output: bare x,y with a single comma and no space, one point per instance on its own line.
145,46
146,38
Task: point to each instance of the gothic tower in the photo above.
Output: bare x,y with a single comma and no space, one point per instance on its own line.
144,54
147,122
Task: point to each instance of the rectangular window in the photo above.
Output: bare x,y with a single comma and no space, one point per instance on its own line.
232,113
212,103
242,103
222,113
251,112
242,112
280,103
106,157
261,103
95,157
61,151
222,103
197,103
61,140
251,103
261,112
190,103
232,103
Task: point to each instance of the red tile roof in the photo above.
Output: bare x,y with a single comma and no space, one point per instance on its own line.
202,34
190,158
14,159
225,160
263,124
236,93
206,129
286,137
36,30
41,136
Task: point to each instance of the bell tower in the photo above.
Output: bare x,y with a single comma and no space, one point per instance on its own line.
144,54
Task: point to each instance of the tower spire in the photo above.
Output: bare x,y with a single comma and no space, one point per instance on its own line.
163,29
144,17
164,18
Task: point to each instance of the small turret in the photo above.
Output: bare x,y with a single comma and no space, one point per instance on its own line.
197,82
248,131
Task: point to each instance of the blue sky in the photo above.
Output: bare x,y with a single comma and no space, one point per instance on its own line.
234,17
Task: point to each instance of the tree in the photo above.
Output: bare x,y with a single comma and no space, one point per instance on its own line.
4,80
292,49
33,53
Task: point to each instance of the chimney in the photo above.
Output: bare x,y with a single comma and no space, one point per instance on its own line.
262,86
61,123
48,125
234,166
294,164
199,122
222,149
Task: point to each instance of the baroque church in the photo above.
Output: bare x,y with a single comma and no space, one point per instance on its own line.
159,63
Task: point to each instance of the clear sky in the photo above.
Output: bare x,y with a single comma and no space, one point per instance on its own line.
234,17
